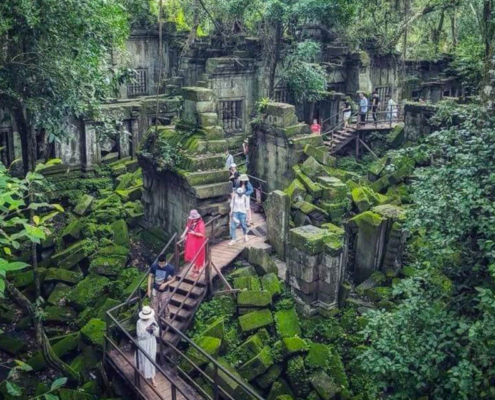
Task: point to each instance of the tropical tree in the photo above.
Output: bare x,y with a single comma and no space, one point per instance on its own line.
55,63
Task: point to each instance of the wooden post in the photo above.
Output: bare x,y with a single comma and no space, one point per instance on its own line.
176,255
136,373
208,270
357,144
215,382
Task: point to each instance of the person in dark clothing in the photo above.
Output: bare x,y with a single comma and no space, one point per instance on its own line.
159,279
375,102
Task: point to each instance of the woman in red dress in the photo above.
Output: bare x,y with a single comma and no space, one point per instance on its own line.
195,236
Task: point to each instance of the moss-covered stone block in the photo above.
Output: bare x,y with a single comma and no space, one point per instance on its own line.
86,292
314,189
298,377
312,168
249,349
334,190
390,211
320,154
324,385
271,284
280,388
377,167
296,191
318,356
254,298
364,198
210,345
381,184
60,291
93,332
247,283
255,320
83,205
12,345
74,254
396,137
258,255
120,233
296,130
257,365
59,314
61,348
333,228
287,323
271,375
308,238
243,271
63,275
216,329
311,210
294,345
134,285
196,93
206,177
107,266
72,232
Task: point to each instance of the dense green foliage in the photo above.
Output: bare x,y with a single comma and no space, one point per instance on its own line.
437,342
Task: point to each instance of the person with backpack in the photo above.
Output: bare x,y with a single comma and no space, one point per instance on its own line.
239,205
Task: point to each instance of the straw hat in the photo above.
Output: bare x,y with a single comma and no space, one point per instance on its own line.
194,214
233,165
146,313
244,178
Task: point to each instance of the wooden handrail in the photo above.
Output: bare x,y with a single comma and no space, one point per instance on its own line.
215,362
138,347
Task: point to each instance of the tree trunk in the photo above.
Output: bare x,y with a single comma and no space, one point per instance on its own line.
25,132
438,31
453,29
488,25
275,59
41,339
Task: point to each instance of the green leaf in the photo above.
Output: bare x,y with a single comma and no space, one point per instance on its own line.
23,366
58,383
34,232
14,266
13,389
58,207
49,396
53,161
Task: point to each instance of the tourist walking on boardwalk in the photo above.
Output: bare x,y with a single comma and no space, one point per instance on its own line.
146,332
363,107
160,277
375,102
347,111
391,109
245,150
195,236
238,212
234,176
316,127
248,191
230,159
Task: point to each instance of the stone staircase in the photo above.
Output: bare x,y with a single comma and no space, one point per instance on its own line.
340,139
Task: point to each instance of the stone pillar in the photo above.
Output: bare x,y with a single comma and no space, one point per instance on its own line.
136,134
315,266
277,210
91,150
370,228
277,145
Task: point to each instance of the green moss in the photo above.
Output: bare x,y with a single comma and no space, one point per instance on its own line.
244,271
215,329
247,282
334,244
271,283
62,275
257,365
72,232
298,378
60,291
280,388
324,385
107,266
318,356
308,239
271,375
59,314
287,323
61,348
74,254
314,189
333,228
210,345
296,190
120,233
67,394
366,219
320,154
252,298
94,331
87,291
294,345
255,320
247,350
86,361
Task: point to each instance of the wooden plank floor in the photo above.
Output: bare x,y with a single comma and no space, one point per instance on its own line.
164,387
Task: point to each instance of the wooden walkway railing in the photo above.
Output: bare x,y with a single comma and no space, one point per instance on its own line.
186,295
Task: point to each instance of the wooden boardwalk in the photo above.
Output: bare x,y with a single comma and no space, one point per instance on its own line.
183,305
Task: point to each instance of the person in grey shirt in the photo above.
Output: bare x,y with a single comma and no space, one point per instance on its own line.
363,107
230,159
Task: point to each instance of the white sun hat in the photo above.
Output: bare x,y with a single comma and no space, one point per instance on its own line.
146,313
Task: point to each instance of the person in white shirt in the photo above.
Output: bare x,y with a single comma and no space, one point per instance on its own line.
238,212
230,159
391,109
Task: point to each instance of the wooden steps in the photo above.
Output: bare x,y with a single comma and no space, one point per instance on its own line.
340,139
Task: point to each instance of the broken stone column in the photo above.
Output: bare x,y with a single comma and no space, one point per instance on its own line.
277,210
200,180
277,145
315,266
